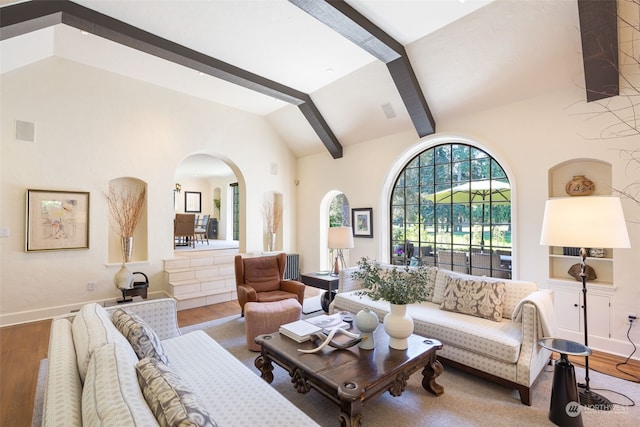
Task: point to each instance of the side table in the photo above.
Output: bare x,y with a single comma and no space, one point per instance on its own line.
322,281
564,409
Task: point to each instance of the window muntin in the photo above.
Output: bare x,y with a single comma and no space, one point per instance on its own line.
428,214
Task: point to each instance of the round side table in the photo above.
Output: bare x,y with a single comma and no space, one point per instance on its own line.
564,409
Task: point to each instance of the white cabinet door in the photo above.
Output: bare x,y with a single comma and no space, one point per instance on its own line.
570,315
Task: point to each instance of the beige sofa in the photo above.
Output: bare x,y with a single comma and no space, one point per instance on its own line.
504,351
92,377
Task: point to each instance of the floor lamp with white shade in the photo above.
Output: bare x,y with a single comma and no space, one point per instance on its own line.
585,222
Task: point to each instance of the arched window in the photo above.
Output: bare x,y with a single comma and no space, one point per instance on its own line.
451,207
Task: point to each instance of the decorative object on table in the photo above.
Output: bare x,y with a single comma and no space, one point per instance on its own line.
338,239
362,222
272,217
328,340
300,330
585,222
399,286
575,271
598,252
326,322
126,205
580,186
367,322
57,220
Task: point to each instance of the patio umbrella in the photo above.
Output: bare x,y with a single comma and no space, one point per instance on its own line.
474,191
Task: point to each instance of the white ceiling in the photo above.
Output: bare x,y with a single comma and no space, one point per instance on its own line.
468,55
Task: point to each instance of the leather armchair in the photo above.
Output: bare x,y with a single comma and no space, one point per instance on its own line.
260,279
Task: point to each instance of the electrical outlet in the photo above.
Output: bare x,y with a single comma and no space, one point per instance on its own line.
91,286
631,317
4,231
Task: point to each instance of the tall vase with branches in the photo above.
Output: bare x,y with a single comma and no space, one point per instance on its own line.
272,216
126,205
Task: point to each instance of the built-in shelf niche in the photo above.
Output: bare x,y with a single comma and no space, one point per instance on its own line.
600,173
140,251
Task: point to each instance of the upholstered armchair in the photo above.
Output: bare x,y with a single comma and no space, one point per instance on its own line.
260,279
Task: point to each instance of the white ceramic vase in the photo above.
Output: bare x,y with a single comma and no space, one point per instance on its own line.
123,278
366,322
399,326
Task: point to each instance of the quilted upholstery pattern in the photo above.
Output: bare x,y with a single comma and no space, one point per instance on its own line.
63,385
92,328
159,314
172,403
142,338
219,379
111,395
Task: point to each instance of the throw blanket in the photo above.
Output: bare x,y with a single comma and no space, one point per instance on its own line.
547,326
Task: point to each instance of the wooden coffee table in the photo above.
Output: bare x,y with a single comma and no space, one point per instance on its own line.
351,377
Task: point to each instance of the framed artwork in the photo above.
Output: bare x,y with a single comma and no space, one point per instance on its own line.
192,201
57,220
362,222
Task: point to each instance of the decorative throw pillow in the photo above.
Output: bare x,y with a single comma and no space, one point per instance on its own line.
171,402
480,298
142,338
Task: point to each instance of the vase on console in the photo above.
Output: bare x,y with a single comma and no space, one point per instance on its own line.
399,326
124,277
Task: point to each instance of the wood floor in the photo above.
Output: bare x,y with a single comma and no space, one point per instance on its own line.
23,346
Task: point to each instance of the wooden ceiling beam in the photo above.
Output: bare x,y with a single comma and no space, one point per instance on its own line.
347,21
22,18
599,33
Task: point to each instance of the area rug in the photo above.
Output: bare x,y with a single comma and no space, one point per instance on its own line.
467,400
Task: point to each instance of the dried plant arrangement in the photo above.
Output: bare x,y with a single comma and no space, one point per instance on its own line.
126,204
272,214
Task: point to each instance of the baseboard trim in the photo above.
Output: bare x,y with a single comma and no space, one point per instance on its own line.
46,313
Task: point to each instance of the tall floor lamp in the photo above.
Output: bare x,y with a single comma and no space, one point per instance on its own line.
339,238
585,222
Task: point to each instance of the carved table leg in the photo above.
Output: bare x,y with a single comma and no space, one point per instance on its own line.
350,413
430,372
265,367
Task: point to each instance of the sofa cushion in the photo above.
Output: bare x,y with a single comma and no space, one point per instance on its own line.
142,338
496,340
92,328
170,400
111,395
219,379
480,298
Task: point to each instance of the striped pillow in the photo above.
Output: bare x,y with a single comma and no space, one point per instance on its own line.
172,403
91,329
111,395
143,339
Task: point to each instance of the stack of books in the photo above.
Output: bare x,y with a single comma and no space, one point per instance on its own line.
302,330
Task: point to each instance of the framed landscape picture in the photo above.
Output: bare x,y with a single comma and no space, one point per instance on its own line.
362,222
57,220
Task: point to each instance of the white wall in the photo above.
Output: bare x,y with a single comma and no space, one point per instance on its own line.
91,127
527,138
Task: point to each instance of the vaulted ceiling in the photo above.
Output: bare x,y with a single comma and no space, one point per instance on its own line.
324,74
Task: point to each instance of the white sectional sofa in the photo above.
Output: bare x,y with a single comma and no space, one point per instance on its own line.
504,351
92,378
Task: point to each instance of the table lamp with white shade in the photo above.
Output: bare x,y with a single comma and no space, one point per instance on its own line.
339,238
585,222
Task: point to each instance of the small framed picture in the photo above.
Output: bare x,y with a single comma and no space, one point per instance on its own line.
192,201
57,220
362,222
